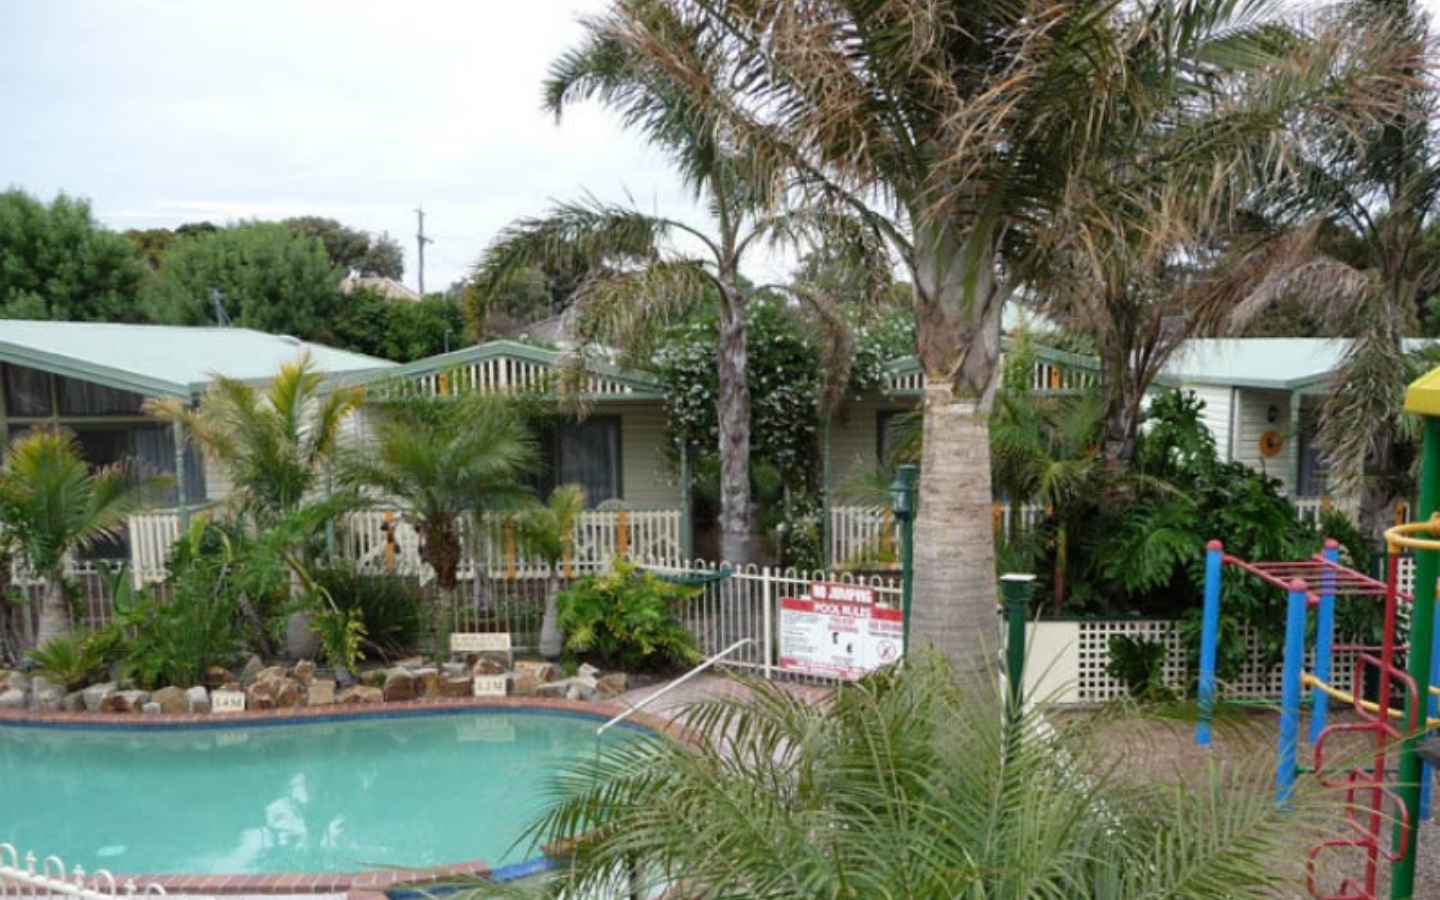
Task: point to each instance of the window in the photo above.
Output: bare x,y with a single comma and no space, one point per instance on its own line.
893,428
585,453
27,392
1313,467
86,398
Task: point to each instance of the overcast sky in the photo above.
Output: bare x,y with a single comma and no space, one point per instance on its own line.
170,111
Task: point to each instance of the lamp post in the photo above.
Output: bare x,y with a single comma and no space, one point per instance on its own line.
902,506
1016,590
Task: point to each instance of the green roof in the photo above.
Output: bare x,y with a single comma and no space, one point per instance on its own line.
1273,363
163,360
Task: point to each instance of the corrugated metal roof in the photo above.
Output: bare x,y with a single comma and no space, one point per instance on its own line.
1280,363
166,360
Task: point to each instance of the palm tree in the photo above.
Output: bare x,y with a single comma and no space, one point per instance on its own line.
643,270
546,531
955,130
276,442
52,504
443,458
777,796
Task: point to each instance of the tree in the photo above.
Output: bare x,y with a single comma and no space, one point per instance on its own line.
258,273
57,262
546,531
399,330
442,458
955,130
645,270
350,249
734,810
52,504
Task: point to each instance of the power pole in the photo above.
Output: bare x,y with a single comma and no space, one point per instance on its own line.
420,241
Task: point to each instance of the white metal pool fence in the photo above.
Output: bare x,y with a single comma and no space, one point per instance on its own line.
29,876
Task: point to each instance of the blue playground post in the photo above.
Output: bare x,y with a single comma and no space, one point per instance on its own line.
1285,768
1209,639
1324,641
1431,711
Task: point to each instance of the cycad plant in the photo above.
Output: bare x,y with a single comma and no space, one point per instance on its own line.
546,532
908,785
52,504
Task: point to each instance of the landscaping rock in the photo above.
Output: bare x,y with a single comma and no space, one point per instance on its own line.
197,700
289,694
484,665
39,684
301,641
320,693
73,702
305,672
124,701
457,686
452,669
552,689
612,684
172,700
49,700
14,681
588,671
253,665
151,709
12,698
360,693
400,685
272,673
427,683
530,676
94,695
261,695
218,677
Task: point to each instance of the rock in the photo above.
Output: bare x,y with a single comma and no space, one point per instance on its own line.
12,698
172,700
612,684
581,687
197,700
552,689
320,693
231,686
588,671
252,668
289,694
15,681
218,677
40,684
261,695
124,701
427,683
73,702
487,666
305,672
360,693
414,662
301,641
94,695
49,700
272,673
457,686
530,676
399,685
151,709
452,669
544,672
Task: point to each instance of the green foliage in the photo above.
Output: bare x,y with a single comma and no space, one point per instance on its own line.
1139,664
388,606
174,640
342,635
627,617
57,262
267,278
350,249
71,660
398,330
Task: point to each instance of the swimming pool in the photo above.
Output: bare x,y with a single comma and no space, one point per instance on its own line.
320,795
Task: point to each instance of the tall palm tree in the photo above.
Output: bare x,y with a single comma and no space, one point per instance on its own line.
52,504
644,270
777,796
954,130
443,458
545,531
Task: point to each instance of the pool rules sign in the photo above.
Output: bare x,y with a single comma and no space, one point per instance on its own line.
838,631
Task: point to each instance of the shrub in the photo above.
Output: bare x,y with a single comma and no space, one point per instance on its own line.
1140,665
627,617
173,642
71,660
388,606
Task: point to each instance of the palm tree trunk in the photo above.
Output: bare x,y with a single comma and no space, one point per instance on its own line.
54,611
550,623
733,407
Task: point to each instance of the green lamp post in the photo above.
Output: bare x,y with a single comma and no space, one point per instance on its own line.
902,507
1016,590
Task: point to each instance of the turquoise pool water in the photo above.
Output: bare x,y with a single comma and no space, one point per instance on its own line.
327,796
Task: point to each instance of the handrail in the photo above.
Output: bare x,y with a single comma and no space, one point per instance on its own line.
672,685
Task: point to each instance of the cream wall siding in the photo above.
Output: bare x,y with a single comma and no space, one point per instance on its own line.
1252,423
218,483
647,476
1217,414
855,435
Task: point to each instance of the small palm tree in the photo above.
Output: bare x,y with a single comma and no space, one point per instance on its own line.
442,458
866,795
275,442
52,503
545,531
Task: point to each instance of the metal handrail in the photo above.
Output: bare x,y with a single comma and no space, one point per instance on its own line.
672,685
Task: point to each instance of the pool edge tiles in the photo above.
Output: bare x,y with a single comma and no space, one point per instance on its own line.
376,880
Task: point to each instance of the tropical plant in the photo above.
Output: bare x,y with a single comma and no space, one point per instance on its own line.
441,459
1139,664
72,660
957,131
52,504
734,811
627,617
547,532
388,605
644,270
276,442
175,640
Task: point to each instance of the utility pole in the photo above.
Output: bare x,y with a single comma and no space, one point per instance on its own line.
420,241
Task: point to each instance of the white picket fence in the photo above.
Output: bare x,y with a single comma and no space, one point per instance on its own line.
29,876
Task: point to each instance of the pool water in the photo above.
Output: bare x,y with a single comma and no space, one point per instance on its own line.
326,796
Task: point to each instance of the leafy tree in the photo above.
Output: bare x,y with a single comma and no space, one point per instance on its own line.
150,244
57,262
260,274
956,131
545,531
350,249
52,504
398,330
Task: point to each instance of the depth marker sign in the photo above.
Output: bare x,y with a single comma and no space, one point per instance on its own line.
839,631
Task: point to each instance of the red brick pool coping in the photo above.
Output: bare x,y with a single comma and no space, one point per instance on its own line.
363,885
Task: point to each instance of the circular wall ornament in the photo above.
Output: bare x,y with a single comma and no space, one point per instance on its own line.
1271,443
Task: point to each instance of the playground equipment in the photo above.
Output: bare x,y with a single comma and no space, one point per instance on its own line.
1393,720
